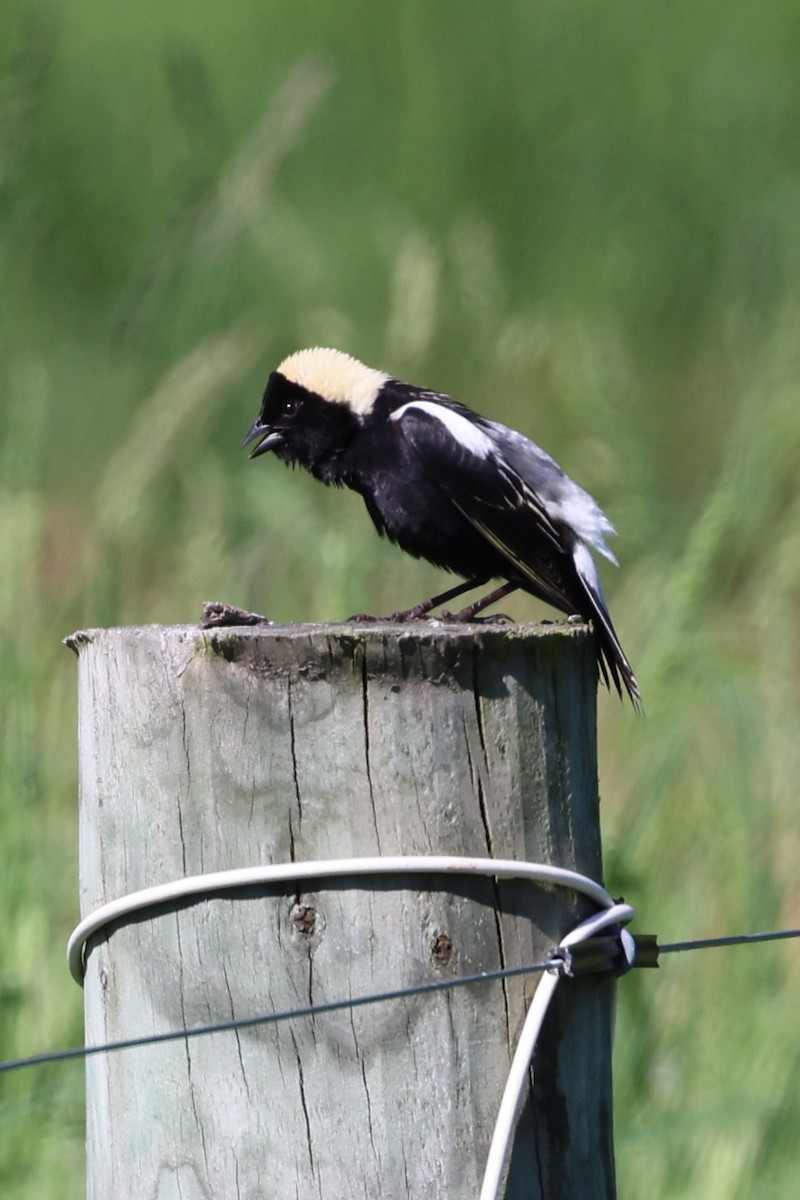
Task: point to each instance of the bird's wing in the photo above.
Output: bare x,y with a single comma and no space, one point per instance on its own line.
563,499
527,508
463,457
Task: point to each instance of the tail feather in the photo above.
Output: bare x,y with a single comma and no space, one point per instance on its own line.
611,660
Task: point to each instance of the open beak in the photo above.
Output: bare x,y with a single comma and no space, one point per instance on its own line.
265,437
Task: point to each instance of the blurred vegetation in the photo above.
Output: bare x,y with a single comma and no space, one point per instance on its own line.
580,218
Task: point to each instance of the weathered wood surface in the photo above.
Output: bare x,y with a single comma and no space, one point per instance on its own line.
201,751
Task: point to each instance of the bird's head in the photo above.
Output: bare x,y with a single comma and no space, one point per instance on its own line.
313,403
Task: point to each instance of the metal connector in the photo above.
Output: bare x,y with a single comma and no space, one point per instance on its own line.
614,952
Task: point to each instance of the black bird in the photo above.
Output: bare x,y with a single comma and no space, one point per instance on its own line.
447,485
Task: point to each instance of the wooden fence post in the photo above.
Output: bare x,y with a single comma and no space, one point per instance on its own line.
207,750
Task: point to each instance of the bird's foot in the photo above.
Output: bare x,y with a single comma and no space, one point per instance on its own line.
467,617
418,613
396,618
216,614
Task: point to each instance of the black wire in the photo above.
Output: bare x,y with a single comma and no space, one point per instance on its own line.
310,1010
739,939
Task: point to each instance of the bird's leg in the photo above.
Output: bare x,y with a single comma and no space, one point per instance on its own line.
424,607
471,611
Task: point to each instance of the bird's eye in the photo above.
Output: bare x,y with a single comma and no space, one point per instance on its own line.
290,408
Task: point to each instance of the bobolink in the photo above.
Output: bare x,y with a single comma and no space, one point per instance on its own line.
467,494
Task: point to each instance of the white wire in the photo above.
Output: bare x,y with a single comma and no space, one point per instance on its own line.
507,1113
499,868
520,1063
219,881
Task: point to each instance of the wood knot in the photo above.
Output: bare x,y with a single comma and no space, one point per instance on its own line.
441,949
304,919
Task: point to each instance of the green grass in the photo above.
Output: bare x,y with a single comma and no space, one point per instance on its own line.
581,218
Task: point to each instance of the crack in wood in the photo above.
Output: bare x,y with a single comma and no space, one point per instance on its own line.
484,812
198,1120
236,1031
302,1086
293,753
365,721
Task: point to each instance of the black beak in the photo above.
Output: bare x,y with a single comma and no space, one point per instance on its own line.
268,438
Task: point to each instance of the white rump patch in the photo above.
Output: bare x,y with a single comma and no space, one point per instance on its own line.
460,428
576,508
334,376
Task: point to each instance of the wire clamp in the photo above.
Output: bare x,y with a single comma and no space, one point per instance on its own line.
613,952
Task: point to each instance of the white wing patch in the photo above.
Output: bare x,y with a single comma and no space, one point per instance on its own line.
462,430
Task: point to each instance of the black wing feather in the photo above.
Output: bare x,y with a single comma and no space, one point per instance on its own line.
508,513
501,505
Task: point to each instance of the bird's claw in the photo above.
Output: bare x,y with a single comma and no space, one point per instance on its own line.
467,617
396,618
420,613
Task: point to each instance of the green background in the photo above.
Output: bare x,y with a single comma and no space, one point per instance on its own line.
581,218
